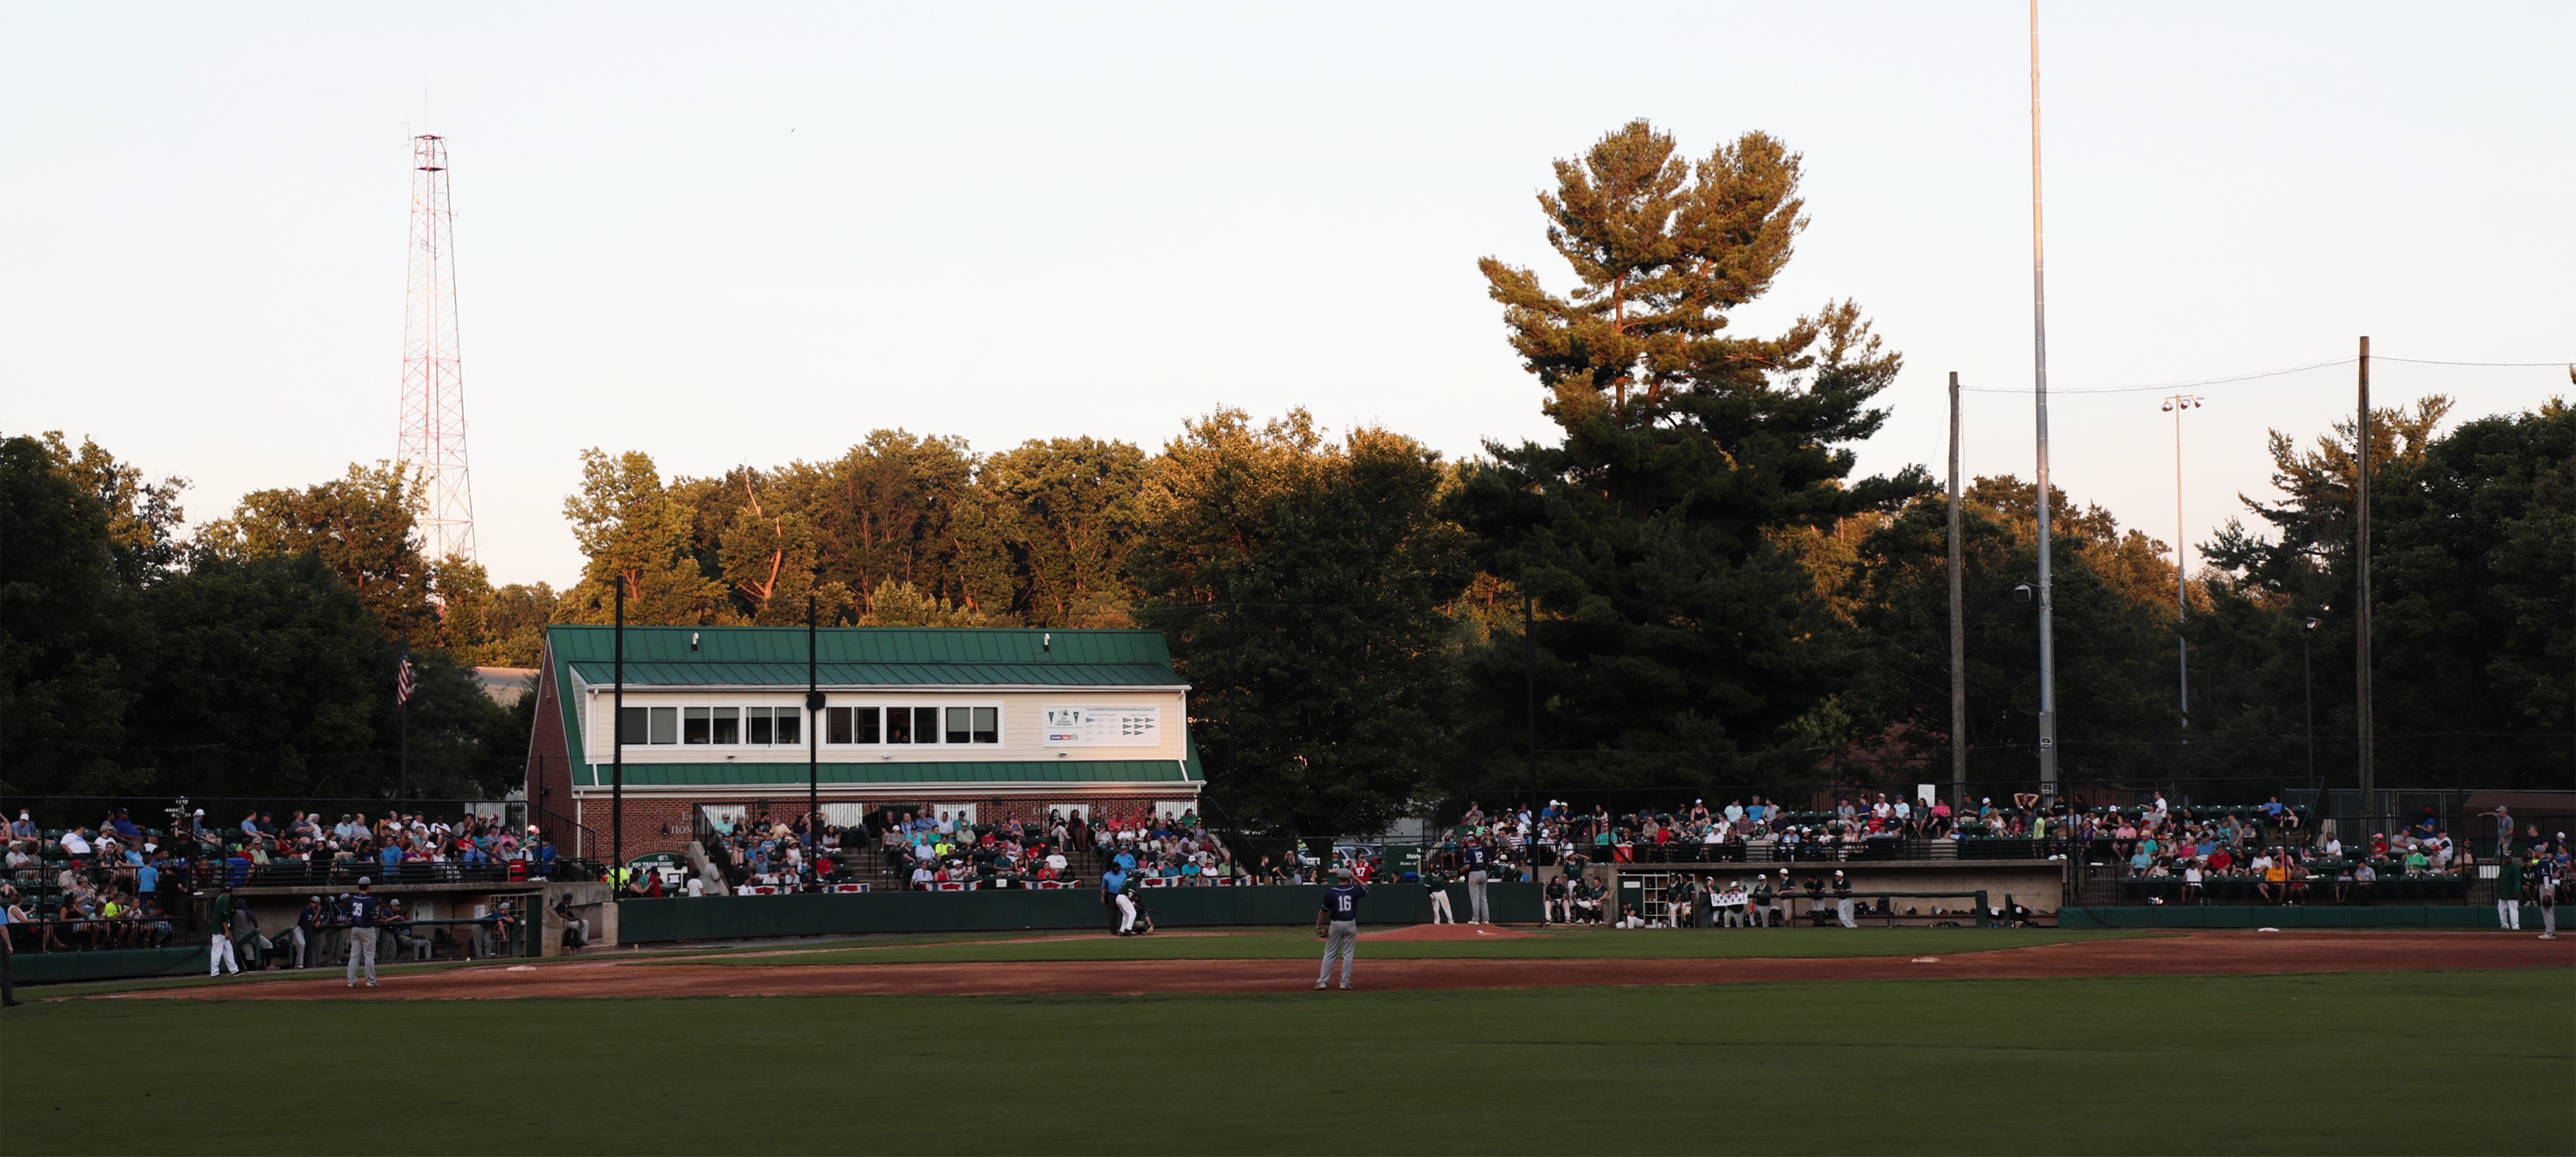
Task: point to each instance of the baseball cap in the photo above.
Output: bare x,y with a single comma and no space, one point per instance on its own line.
364,881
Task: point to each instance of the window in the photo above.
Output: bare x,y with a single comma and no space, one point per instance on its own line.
974,725
871,726
641,725
754,726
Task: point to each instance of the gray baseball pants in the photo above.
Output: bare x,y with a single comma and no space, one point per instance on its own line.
1342,936
362,946
1476,913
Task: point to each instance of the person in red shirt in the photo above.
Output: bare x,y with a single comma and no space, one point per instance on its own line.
2220,861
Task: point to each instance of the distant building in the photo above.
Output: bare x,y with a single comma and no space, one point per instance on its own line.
506,685
988,723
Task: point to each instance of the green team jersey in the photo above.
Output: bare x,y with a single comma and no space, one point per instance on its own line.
1841,884
1762,892
2508,879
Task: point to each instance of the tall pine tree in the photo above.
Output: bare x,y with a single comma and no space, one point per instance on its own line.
1674,634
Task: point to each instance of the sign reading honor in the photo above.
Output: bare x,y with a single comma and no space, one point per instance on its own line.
1104,726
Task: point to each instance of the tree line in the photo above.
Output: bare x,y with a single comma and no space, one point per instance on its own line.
1687,588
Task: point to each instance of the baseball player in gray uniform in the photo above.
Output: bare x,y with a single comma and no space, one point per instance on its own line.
1338,924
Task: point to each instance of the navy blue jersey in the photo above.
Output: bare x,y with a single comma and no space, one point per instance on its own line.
362,910
1476,856
1342,902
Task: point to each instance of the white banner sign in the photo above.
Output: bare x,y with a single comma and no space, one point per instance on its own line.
1104,726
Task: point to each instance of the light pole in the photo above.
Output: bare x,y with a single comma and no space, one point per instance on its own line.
2175,405
2307,660
2039,392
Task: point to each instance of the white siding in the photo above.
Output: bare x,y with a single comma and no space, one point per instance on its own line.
1022,721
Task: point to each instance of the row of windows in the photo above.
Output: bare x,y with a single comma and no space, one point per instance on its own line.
784,726
862,725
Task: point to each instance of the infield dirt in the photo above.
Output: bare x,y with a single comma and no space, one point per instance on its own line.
2202,953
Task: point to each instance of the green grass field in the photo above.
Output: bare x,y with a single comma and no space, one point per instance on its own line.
2347,1064
1568,944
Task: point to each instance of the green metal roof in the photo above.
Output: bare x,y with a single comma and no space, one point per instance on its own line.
591,643
852,656
599,674
877,771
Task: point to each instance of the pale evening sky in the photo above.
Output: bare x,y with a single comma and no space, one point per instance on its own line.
750,234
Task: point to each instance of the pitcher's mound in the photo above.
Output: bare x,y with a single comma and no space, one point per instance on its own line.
1448,932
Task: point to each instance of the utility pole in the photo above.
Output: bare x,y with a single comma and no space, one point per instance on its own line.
617,736
1529,686
2308,671
2039,377
1958,623
2175,405
2361,585
813,740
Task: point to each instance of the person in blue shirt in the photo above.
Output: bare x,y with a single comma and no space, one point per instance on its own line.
362,912
1113,892
1337,924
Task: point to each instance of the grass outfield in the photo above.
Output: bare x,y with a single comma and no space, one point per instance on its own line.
1568,944
2348,1064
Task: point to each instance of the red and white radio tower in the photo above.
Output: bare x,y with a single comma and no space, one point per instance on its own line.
433,383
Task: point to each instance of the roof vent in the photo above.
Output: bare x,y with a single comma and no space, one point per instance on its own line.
693,640
1046,641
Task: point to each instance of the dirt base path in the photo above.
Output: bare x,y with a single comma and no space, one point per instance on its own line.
2200,953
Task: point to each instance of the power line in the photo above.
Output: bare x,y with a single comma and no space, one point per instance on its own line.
2260,374
2428,362
2166,385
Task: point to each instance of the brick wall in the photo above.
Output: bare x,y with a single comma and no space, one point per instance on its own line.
550,766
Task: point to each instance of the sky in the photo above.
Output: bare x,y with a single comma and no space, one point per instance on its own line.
751,234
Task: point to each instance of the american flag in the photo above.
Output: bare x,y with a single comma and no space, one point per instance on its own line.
402,679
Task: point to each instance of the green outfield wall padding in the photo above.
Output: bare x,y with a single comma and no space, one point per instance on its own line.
759,917
2178,916
121,964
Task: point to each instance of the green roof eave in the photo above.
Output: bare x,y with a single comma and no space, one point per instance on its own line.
998,771
792,675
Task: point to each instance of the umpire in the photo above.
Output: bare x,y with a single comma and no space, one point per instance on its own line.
8,950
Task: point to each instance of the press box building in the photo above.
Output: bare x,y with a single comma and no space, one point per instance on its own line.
989,723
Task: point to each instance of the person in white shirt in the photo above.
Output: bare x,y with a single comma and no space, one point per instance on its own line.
697,886
75,843
2334,848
